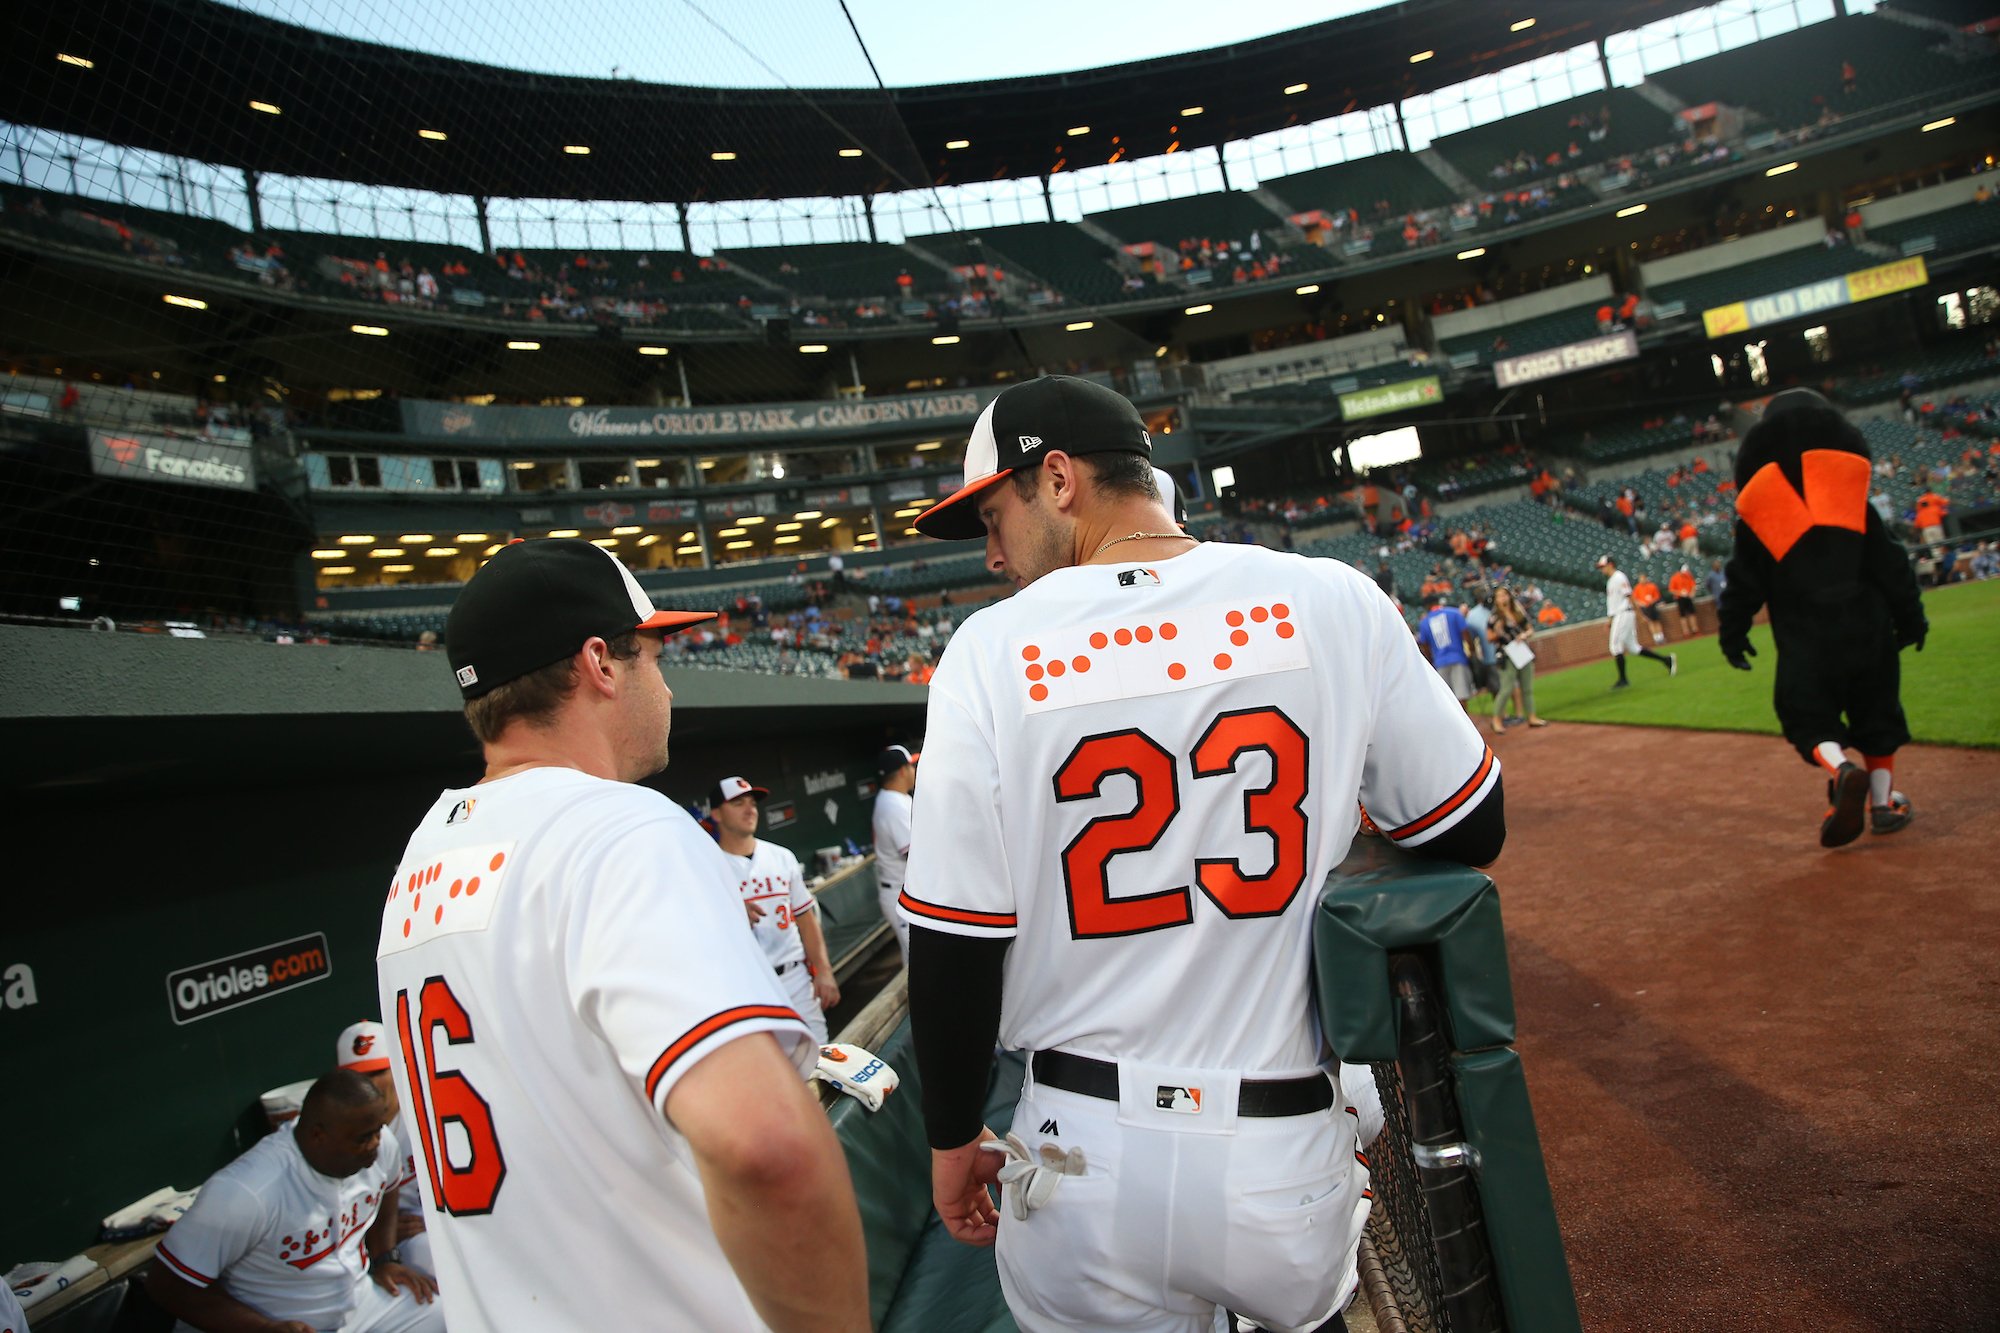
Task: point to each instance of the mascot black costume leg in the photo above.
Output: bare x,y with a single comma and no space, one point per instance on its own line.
1843,604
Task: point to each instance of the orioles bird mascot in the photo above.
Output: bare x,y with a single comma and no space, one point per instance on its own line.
1843,604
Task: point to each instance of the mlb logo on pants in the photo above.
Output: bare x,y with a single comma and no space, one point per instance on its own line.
1185,1101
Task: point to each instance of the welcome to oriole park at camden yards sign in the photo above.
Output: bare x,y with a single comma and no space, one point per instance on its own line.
1814,297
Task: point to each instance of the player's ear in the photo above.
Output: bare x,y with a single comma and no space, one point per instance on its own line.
596,668
1065,477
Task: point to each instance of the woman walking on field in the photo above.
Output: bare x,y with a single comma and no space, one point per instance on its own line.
1509,627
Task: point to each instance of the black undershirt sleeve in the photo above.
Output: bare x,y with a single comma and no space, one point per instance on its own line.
1475,840
954,1019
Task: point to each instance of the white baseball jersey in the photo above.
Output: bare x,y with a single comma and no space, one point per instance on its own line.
770,877
892,836
1145,773
1617,593
11,1318
279,1236
557,951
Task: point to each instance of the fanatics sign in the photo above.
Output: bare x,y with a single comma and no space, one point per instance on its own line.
188,461
1586,355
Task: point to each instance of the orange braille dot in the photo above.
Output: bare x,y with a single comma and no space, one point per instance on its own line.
1234,617
499,859
412,885
416,902
1038,692
472,886
1280,610
1079,664
1168,630
1259,614
1222,661
456,885
1031,652
1286,630
1239,637
1098,640
406,930
1144,634
1035,672
1123,636
1056,668
1175,671
437,917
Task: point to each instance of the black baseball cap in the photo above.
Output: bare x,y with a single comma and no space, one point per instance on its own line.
892,760
1020,427
536,602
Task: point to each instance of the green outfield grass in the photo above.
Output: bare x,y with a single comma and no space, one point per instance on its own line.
1951,690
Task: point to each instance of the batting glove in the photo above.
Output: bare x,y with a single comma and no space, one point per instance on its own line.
1735,653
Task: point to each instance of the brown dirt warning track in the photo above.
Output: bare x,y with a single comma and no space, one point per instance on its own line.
1766,1076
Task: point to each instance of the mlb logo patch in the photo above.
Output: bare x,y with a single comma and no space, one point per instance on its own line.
1138,578
1181,1101
467,676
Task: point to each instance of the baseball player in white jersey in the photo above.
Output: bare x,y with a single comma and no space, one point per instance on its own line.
1139,771
364,1048
600,1068
281,1238
12,1320
784,916
897,769
1624,627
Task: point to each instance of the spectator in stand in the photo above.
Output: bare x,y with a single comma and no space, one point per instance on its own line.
1931,509
1681,588
1690,538
1550,614
1663,538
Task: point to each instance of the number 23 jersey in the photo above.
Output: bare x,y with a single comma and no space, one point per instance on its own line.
1144,773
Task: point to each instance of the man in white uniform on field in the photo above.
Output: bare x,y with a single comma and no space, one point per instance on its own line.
894,804
600,1068
1139,770
784,916
1624,627
295,1234
364,1048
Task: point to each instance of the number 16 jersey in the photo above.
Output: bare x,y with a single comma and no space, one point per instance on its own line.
1144,773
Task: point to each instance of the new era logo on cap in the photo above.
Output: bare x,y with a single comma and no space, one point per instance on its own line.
1024,424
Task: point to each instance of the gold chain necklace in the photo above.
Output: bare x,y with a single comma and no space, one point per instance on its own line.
1135,536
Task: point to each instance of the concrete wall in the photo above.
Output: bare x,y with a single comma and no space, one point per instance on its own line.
1710,259
1916,203
1456,323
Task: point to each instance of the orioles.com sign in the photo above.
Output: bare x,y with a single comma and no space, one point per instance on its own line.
207,989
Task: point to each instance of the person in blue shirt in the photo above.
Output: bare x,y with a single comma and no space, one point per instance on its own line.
1446,640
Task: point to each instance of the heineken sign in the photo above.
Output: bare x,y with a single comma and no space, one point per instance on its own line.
1425,392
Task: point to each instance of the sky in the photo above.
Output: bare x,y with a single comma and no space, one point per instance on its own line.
803,43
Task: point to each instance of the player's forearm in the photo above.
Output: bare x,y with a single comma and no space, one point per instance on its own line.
799,1191
381,1235
210,1309
814,940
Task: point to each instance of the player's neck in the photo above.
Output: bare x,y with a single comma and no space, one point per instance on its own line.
522,747
737,844
1108,538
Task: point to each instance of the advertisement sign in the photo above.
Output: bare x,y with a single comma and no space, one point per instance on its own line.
616,513
1425,392
842,497
738,505
189,462
1814,297
761,422
1591,352
207,989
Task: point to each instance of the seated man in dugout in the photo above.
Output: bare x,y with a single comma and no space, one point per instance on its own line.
281,1238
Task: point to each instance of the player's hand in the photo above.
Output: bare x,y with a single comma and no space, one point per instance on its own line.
1737,653
826,990
959,1180
408,1225
1914,637
755,912
390,1275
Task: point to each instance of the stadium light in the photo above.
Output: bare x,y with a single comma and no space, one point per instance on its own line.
865,537
739,546
523,465
1631,211
850,152
806,513
653,351
788,527
912,532
733,532
358,539
1193,110
645,462
185,302
1292,88
722,157
489,551
1421,56
626,531
333,554
220,379
78,61
955,144
371,330
606,542
471,537
435,136
1197,310
1080,326
810,348
1522,26
706,464
524,347
577,149
1307,290
751,520
649,539
830,523
268,108
687,550
944,340
564,532
398,569
1473,253
417,538
929,445
1078,130
1939,124
337,569
787,541
442,550
386,553
1781,168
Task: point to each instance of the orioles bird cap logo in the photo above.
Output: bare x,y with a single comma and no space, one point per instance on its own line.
364,1043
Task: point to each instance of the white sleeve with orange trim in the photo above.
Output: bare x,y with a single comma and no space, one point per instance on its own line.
1426,766
657,960
958,880
225,1222
801,899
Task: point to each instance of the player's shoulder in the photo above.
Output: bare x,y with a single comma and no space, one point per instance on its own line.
777,854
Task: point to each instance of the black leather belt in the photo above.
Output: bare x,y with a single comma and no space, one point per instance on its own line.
1264,1097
